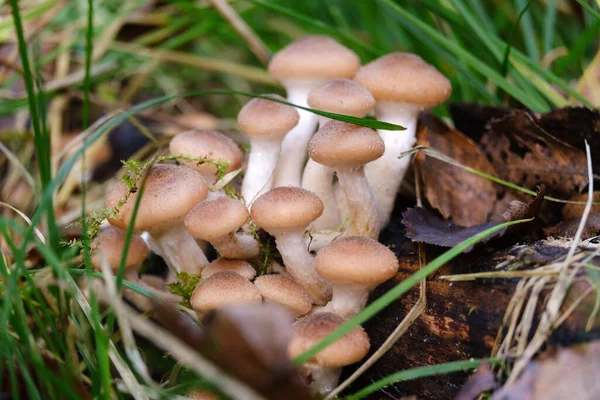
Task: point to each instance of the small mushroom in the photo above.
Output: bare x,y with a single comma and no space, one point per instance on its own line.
325,368
193,120
403,85
347,148
241,267
266,123
217,221
285,213
109,246
285,292
354,265
222,289
300,67
170,193
211,145
340,96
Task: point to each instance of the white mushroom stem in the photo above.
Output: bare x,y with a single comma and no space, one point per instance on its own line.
295,143
324,379
386,173
362,207
178,248
301,265
347,300
264,153
237,246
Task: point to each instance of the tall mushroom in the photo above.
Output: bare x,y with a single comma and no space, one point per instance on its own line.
340,96
299,67
347,148
266,123
217,221
285,212
170,193
354,265
211,145
403,85
326,366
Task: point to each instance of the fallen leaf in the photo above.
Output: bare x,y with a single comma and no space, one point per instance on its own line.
481,381
519,210
459,195
569,228
524,153
573,211
471,118
571,373
423,226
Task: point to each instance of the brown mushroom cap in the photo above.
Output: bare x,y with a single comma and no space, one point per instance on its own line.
342,96
347,350
221,289
314,57
404,77
197,120
111,241
356,259
206,144
286,207
170,192
284,291
241,267
214,219
202,395
264,118
340,144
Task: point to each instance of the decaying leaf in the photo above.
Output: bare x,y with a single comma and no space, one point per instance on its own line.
519,210
471,118
574,211
524,153
463,197
423,226
247,341
480,382
571,373
569,228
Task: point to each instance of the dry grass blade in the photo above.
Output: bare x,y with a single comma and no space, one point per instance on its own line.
27,220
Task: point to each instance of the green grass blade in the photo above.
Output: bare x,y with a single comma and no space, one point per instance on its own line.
399,290
419,372
589,8
549,25
528,30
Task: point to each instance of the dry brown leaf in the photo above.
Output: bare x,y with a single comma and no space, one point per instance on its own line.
480,382
574,211
569,228
526,154
461,196
571,373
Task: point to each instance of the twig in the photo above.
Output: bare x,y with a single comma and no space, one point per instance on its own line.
257,46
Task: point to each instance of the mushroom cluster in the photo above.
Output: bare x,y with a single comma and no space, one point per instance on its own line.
302,173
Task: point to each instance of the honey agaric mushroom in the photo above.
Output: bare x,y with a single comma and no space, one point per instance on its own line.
285,292
221,289
109,246
170,193
211,145
403,85
240,267
217,221
299,67
187,121
347,148
266,123
326,366
285,213
354,265
340,96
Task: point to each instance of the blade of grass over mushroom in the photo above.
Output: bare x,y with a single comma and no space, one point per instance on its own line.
399,290
420,372
41,138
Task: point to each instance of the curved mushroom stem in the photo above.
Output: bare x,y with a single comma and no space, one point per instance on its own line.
362,207
178,248
318,179
237,246
295,143
385,174
324,379
347,300
301,265
262,161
